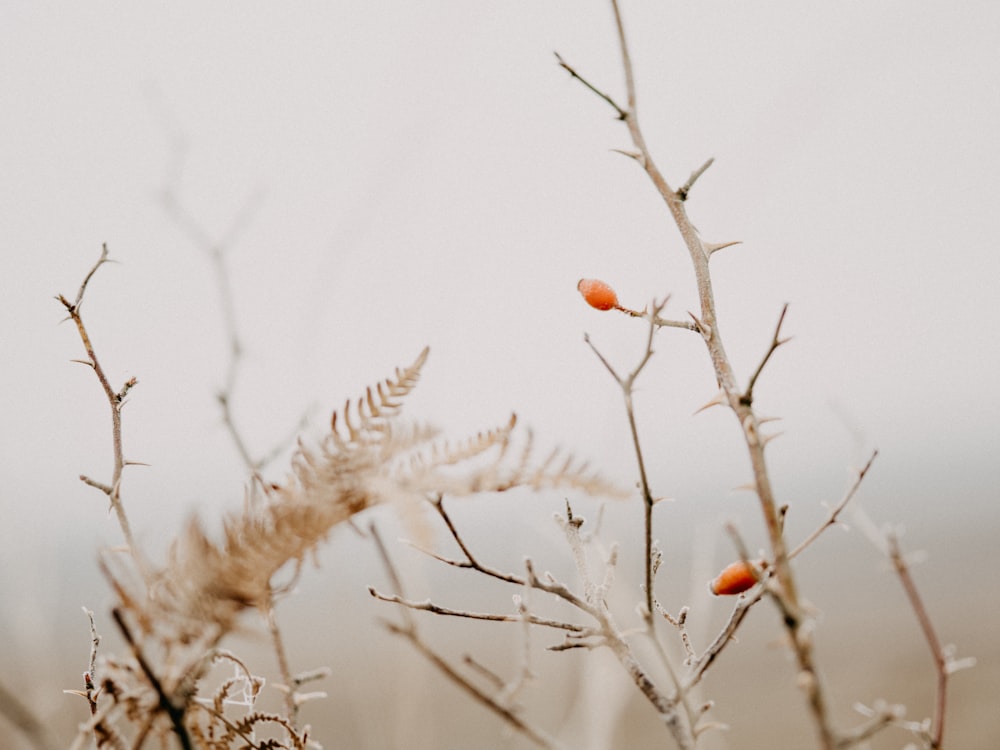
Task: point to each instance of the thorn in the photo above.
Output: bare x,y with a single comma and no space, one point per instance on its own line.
83,362
768,438
703,329
718,400
748,487
712,247
630,154
765,420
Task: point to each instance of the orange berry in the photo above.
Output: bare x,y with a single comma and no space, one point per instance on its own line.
735,578
597,294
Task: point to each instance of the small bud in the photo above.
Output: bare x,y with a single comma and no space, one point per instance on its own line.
598,294
735,578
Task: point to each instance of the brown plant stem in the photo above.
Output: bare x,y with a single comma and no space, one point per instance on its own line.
116,400
930,635
627,384
408,629
835,512
173,711
785,594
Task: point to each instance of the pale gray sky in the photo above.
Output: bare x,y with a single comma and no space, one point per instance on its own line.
426,174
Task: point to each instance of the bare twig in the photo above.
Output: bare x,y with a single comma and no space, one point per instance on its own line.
836,510
605,633
90,674
116,400
650,559
428,606
776,341
611,637
524,675
700,665
684,190
167,704
658,321
470,561
941,665
409,631
626,384
881,717
680,623
622,114
218,252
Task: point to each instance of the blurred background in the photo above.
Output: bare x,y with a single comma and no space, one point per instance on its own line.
388,176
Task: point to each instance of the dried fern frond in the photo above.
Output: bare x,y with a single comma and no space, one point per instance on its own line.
367,458
208,583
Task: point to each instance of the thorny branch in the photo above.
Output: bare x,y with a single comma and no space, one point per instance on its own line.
785,593
409,631
699,665
116,400
605,632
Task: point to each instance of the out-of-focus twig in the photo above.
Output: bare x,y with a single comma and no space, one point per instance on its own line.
218,252
930,635
24,719
836,510
173,711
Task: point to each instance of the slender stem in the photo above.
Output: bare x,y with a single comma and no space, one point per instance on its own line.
429,606
776,341
115,401
683,190
627,384
278,644
166,704
930,635
409,631
836,510
622,114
